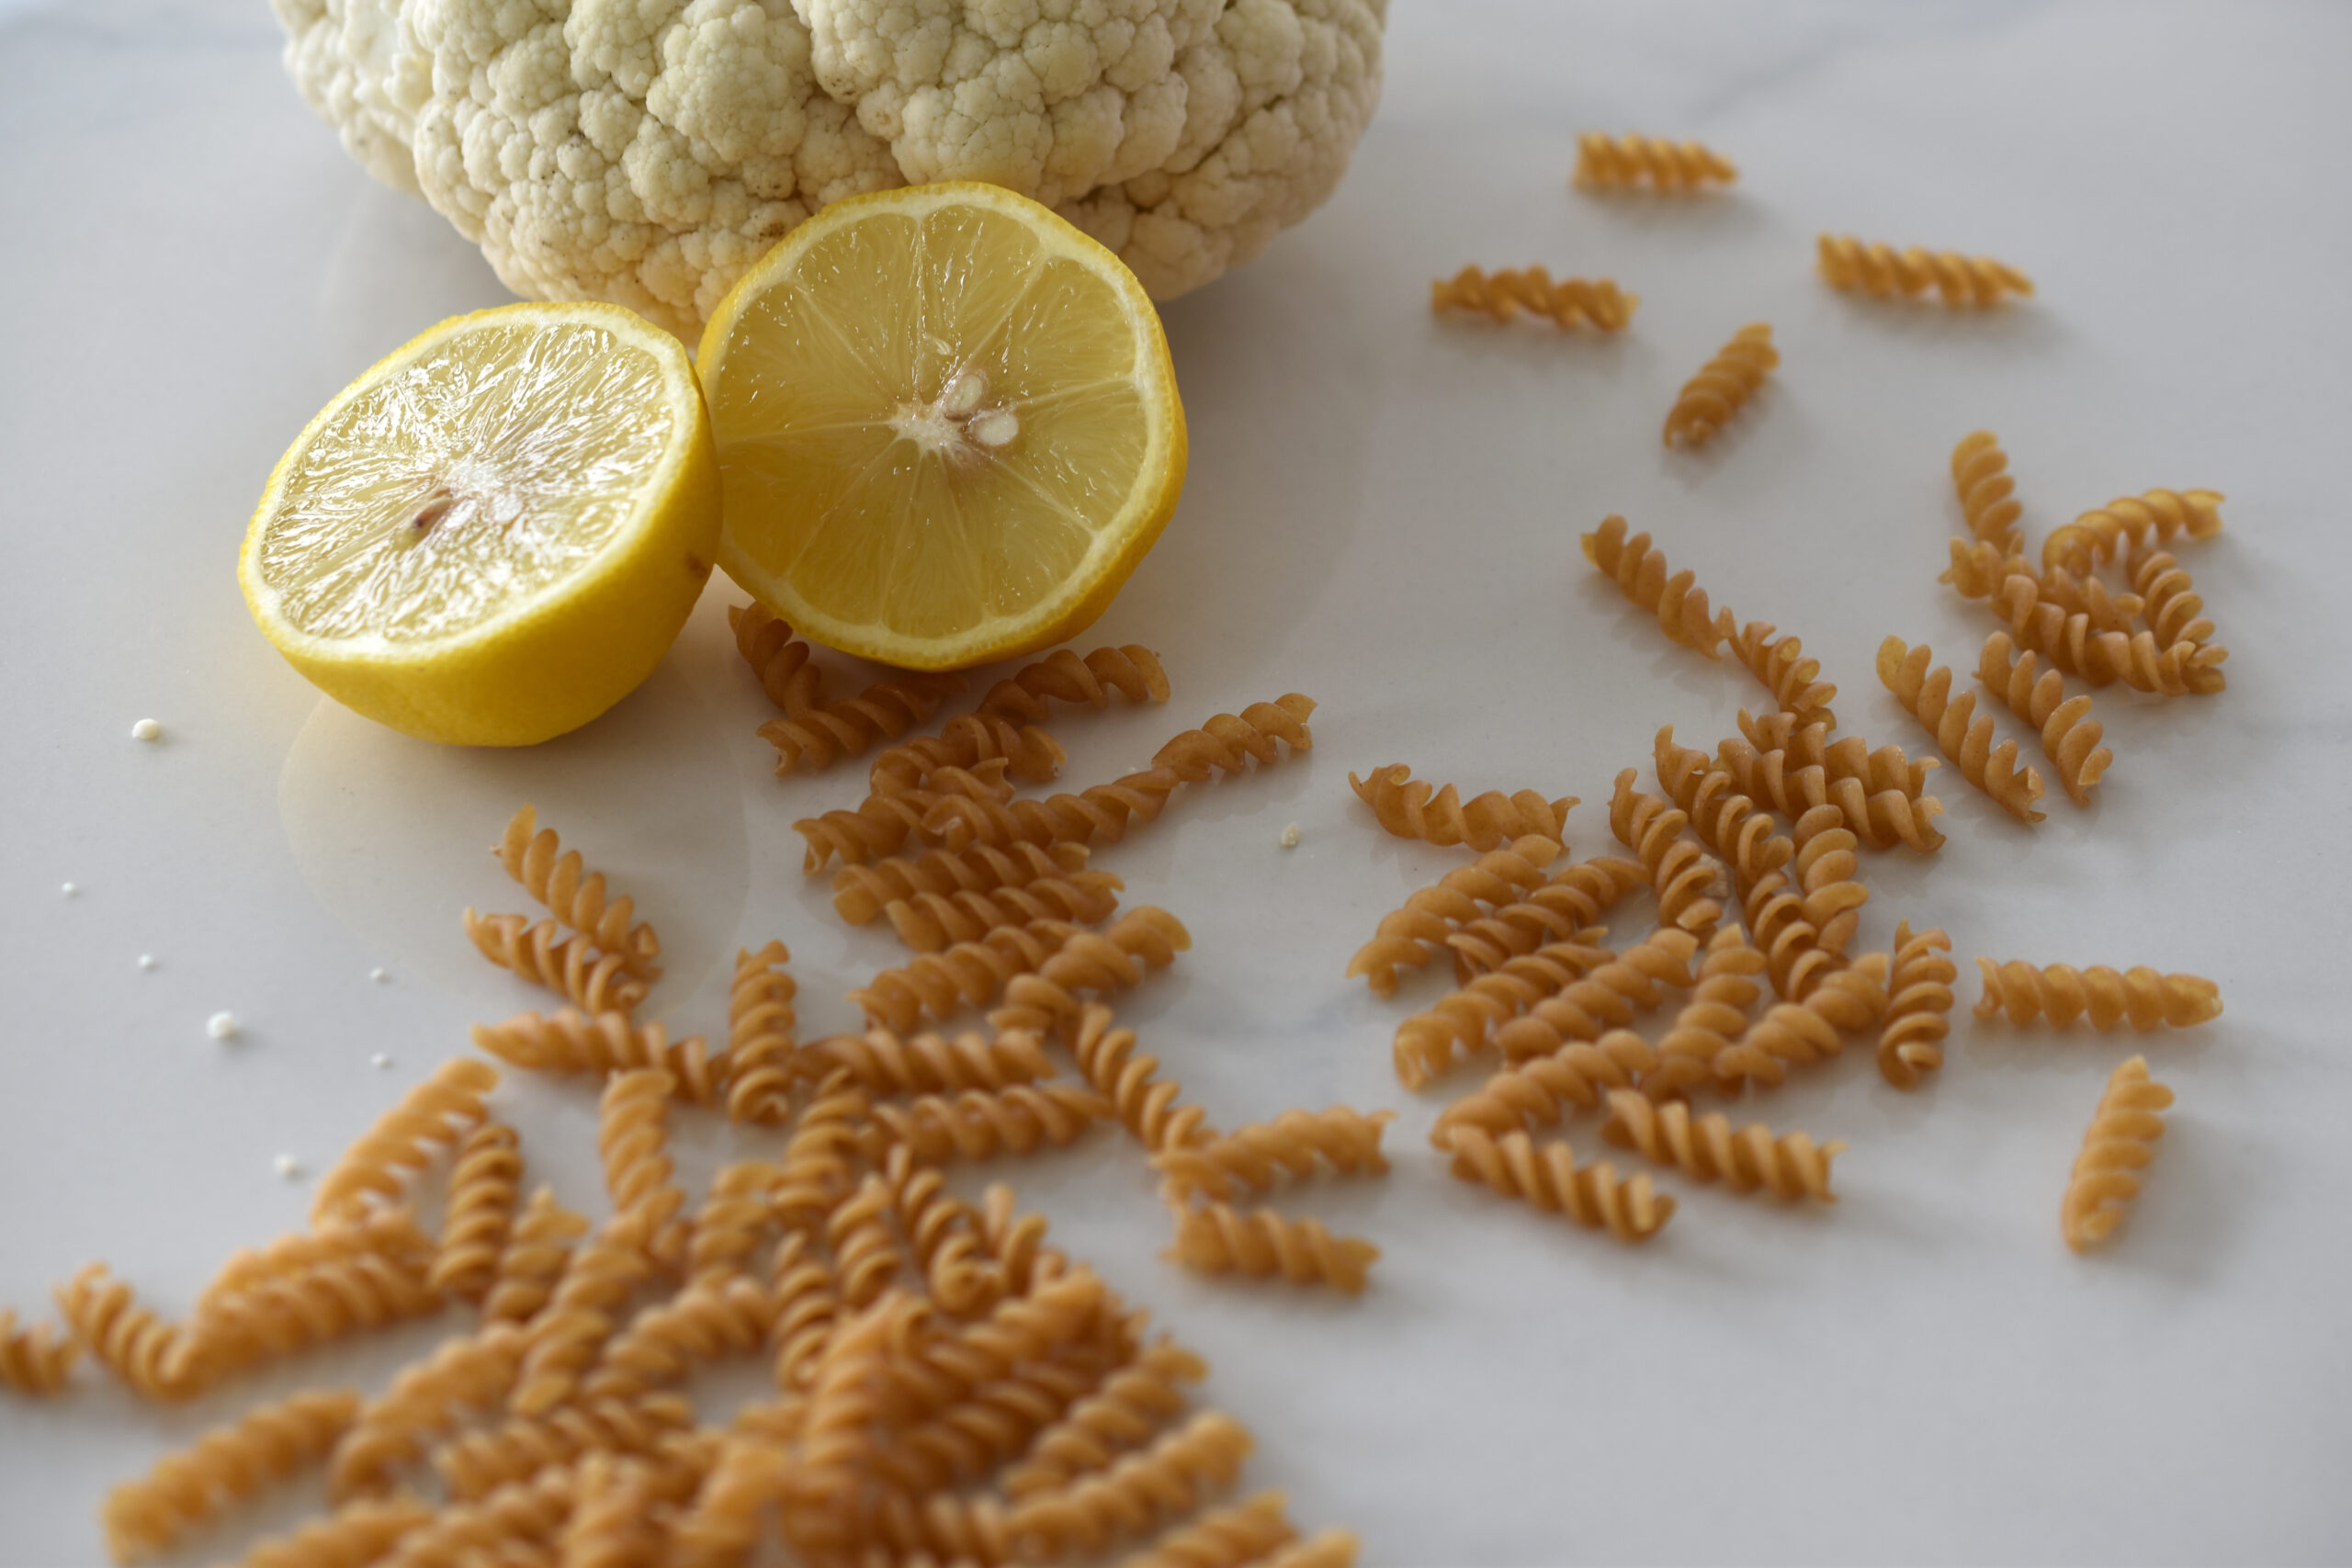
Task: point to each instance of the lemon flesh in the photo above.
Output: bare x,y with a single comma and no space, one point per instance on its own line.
495,533
947,426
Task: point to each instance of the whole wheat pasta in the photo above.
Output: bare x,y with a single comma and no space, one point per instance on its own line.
1297,1143
1723,819
929,923
732,1222
802,1286
612,1523
313,1306
861,893
1779,664
1606,162
821,1155
485,1184
1236,1536
1023,698
2117,1145
1145,1103
1825,870
573,895
425,1399
1848,756
440,1110
1569,302
1570,901
777,656
570,966
1795,960
1919,996
1926,692
707,1321
815,733
2102,997
978,1124
572,1327
1980,567
944,1237
967,740
1851,265
35,1360
723,1524
1466,1017
1047,998
1129,1408
1410,936
1261,1244
1606,999
970,1438
352,1537
1549,1178
633,1143
569,1042
1688,881
537,1250
885,1063
861,1236
2073,644
1846,1001
1882,820
1409,808
147,1354
762,1053
227,1464
1225,743
1140,1491
1640,573
2088,597
1750,1159
477,1464
970,973
1723,385
513,1518
882,823
1980,474
2130,523
1715,1015
2069,735
2169,599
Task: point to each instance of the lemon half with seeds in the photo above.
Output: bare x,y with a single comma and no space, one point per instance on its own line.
495,533
947,425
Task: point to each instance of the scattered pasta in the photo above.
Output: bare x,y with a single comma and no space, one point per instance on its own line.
2069,735
2117,1145
1723,385
1979,473
2101,997
1409,808
2130,524
1781,664
1850,264
1789,1166
1619,161
1968,746
1548,1178
1296,1143
1640,574
1261,1244
1410,936
573,894
1023,698
1503,295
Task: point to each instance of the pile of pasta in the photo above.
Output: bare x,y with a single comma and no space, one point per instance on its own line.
948,1387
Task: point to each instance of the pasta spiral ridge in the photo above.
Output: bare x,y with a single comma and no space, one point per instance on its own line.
707,1321
859,1234
967,1441
1411,808
478,1464
1145,1103
861,893
2117,1145
1799,1033
387,1230
1688,881
1571,901
1467,1017
569,965
807,1304
732,1220
970,973
1980,567
633,1141
1535,1091
2102,997
537,1250
1607,998
513,1518
440,1110
1980,474
885,1063
2130,523
883,822
1640,573
571,1041
2069,735
485,1184
1261,1244
1410,936
1882,818
559,879
2168,597
1506,293
147,1354
1795,959
1848,756
611,1524
1928,693
819,1156
1238,1535
816,733
1549,1178
967,741
1715,1015
1789,1166
979,1125
1920,997
1723,819
2070,642
931,921
225,1465
1165,1481
1340,1137
2089,598
425,1398
315,1306
1132,672
777,655
1780,666
352,1537
762,1053
569,1331
1141,940
1721,387
1124,1414
35,1360
1850,264
1826,870
1611,162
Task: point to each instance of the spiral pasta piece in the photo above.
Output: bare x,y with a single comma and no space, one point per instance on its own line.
2073,643
2102,997
1410,936
1238,1535
1640,573
1980,475
569,1331
1549,1178
569,965
1126,1413
537,1250
733,1220
1789,1166
763,1054
1606,162
1297,1143
1881,819
1715,1015
2117,1146
723,1525
1825,872
1133,671
863,893
611,1524
707,1321
818,1157
1260,1244
1723,819
970,973
779,657
227,1464
1844,1001
1980,567
879,827
1723,385
2169,599
1410,808
1919,996
1570,902
440,1110
1569,302
633,1141
35,1360
860,1236
425,1400
1608,997
807,1304
929,923
485,1184
2130,524
2069,735
885,1063
1465,1019
1928,693
1165,1481
1145,1103
571,1041
1781,665
1227,744
478,1464
978,1124
967,741
514,1519
1807,745
352,1537
558,879
1137,942
147,1354
1851,265
1688,881
2089,598
313,1306
815,733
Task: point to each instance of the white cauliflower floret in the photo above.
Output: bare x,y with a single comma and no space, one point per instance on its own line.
648,151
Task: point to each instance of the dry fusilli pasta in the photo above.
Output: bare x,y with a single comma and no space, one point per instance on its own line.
1715,1015
709,1319
1571,901
2072,642
967,741
1137,942
762,1054
312,1306
1140,1491
1847,262
2100,996
1298,1142
578,1318
1796,1034
569,965
1789,1166
1687,880
861,893
813,732
733,1220
1980,474
352,1537
1260,1243
35,1360
931,921
808,1301
1235,1537
885,1063
569,1042
441,1110
2130,523
1505,294
225,1465
2168,597
2069,735
978,1124
882,823
1467,1017
1410,936
147,1354
1607,998
425,1400
485,1183
779,657
1926,692
1724,819
1409,808
1145,1103
478,1464
573,895
1919,996
1548,1178
1781,665
537,1250
970,973
633,1141
1708,400
1640,574
1615,162
1023,698
2117,1145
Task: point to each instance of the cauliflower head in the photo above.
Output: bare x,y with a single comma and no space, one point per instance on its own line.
647,151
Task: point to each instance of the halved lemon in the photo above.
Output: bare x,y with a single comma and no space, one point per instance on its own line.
947,426
494,533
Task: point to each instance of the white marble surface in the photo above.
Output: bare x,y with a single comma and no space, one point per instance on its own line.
1382,512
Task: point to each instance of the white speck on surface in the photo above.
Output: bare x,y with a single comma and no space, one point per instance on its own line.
379,1060
146,961
288,1167
1290,837
379,976
68,889
146,729
221,1025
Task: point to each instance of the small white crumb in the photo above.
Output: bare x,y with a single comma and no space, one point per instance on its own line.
221,1025
146,729
379,1059
379,976
146,961
1290,837
288,1167
68,889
